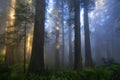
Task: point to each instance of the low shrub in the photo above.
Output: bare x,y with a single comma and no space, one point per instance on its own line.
100,73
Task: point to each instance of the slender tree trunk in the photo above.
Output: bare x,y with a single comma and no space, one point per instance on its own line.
57,62
88,57
62,24
57,44
70,46
37,57
25,29
78,57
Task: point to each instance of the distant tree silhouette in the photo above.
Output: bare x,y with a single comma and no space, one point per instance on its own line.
88,56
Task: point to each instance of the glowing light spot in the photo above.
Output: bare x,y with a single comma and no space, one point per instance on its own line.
29,45
51,1
91,15
57,28
30,1
81,16
57,46
4,51
11,13
50,10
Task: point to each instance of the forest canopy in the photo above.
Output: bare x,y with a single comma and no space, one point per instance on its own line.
41,35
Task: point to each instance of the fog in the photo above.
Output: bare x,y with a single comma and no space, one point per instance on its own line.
104,21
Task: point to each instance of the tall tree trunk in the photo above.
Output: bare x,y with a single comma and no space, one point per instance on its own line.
70,46
88,57
78,57
37,57
57,43
9,57
25,30
62,25
17,52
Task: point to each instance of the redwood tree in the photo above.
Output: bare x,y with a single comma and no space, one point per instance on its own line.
37,56
88,57
78,57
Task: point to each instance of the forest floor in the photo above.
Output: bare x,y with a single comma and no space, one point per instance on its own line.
109,72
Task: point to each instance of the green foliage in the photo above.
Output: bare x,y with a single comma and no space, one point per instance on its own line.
24,12
19,67
16,76
4,72
4,68
99,73
24,16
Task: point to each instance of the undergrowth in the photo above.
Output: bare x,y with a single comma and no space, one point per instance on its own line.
111,72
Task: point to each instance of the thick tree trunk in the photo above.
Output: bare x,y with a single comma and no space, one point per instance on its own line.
57,43
78,57
88,57
9,57
37,57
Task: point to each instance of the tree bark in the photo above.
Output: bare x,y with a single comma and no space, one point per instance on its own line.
70,46
9,56
88,57
57,43
37,57
78,57
62,25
